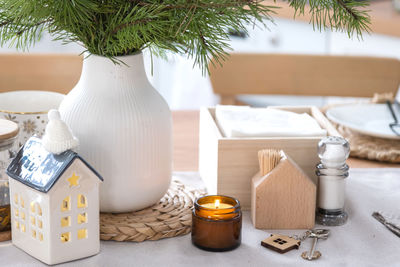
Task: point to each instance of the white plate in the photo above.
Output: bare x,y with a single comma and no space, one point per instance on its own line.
369,119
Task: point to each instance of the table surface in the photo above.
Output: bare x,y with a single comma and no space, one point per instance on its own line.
186,140
362,241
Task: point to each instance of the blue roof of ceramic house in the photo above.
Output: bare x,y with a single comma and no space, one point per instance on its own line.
35,167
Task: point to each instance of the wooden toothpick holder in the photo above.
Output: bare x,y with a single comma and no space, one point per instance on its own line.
284,198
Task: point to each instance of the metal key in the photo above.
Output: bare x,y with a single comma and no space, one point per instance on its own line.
315,234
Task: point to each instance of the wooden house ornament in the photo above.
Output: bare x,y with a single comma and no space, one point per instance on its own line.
280,243
282,195
54,202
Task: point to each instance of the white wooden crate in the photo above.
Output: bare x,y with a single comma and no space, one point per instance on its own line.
227,164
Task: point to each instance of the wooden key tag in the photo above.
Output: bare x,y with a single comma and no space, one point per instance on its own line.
280,243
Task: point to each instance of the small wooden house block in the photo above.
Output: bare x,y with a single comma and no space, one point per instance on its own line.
284,198
54,204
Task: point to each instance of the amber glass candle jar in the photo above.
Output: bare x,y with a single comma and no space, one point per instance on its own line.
216,223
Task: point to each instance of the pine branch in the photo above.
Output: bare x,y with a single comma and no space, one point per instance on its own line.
189,5
37,24
339,15
196,28
122,26
348,9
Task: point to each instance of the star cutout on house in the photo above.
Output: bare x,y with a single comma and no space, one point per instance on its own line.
73,180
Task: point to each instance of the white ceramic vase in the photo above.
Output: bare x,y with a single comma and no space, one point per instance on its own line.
125,131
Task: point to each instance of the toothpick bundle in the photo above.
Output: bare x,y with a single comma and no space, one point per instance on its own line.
268,159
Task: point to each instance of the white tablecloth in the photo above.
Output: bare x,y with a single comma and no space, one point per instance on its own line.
361,242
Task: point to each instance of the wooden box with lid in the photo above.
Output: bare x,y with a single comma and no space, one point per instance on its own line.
227,165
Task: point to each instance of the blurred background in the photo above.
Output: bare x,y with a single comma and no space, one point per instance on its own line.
184,87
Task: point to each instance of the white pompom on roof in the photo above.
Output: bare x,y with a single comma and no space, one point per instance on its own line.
58,136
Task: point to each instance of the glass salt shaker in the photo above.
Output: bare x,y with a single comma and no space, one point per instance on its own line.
332,172
8,136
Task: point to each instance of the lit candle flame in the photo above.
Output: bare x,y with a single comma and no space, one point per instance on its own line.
217,203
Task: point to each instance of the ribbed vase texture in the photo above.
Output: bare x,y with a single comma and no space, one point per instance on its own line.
125,131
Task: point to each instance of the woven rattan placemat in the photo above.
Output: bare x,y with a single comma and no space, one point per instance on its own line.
368,147
372,148
172,216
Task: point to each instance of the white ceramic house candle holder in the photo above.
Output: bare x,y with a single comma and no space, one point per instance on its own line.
332,173
54,198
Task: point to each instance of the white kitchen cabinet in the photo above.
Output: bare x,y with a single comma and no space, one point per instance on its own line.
46,45
370,45
282,36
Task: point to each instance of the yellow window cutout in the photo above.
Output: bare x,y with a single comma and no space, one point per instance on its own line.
22,215
66,221
16,212
33,210
22,203
40,224
65,237
33,234
82,218
39,210
82,233
16,199
35,207
40,236
66,204
16,224
73,180
82,203
23,227
33,221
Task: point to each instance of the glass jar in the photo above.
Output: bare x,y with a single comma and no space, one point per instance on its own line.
8,136
216,223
